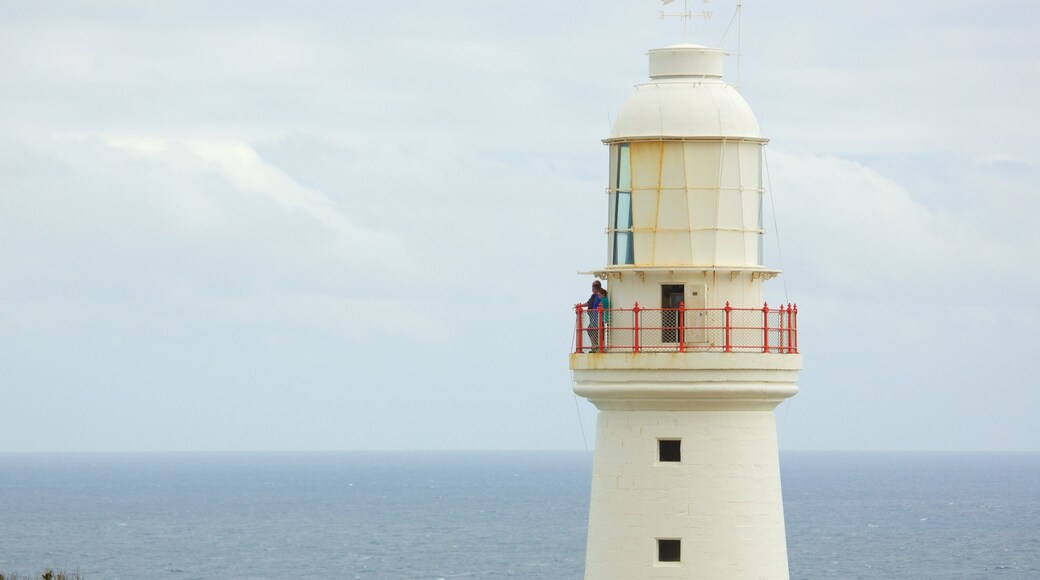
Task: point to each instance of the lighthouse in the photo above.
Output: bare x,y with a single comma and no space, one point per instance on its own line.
688,363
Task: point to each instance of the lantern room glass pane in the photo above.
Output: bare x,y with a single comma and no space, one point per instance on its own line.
621,220
624,180
623,252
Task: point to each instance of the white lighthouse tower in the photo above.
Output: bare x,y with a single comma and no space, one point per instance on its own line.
688,364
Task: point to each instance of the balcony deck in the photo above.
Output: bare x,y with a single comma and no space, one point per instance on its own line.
645,330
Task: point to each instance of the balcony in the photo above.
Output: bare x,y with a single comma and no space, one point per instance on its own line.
635,330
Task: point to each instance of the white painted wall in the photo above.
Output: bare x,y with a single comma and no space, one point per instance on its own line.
741,291
722,500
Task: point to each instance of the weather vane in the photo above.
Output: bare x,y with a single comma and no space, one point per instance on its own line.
685,15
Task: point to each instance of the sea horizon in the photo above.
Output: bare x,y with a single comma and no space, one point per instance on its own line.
483,514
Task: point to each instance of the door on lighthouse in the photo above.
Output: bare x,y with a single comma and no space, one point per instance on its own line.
695,315
672,296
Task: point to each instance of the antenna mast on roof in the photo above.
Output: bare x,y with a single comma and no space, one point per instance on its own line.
740,8
722,41
685,15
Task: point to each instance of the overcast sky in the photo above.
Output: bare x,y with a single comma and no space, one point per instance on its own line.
318,225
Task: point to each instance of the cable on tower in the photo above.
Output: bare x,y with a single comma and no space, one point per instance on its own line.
776,225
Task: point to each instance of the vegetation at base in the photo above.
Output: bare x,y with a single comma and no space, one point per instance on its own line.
47,574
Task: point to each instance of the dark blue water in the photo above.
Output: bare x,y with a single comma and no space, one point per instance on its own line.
483,515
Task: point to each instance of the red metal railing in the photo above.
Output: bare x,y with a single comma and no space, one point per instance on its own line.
636,329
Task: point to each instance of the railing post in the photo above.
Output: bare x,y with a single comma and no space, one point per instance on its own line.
794,328
578,329
680,320
602,331
765,327
635,329
790,337
783,331
728,309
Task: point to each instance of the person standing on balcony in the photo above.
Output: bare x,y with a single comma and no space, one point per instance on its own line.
604,303
592,306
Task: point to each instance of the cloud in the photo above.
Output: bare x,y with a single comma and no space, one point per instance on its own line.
865,235
903,305
129,229
365,217
243,168
858,230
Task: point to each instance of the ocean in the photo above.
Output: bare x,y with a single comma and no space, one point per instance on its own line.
483,515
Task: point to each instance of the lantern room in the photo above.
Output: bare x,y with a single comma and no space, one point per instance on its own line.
685,188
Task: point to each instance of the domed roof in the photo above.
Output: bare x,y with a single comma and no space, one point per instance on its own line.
686,97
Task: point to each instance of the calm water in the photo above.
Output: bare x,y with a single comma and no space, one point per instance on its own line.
483,515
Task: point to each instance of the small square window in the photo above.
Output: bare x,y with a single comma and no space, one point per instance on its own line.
669,550
669,450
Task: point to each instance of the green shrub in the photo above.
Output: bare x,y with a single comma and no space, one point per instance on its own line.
47,574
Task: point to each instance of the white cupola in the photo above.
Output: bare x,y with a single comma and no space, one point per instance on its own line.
686,97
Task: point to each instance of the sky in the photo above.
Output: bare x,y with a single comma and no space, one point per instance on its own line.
319,225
